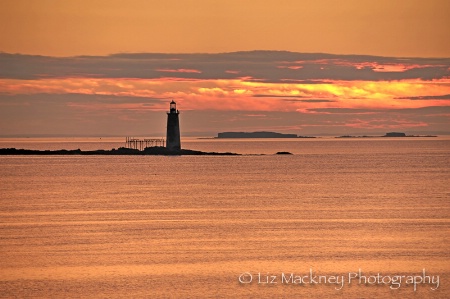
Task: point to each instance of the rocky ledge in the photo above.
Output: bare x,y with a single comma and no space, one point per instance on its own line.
283,153
151,151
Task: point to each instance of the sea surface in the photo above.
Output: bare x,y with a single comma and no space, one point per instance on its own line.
253,226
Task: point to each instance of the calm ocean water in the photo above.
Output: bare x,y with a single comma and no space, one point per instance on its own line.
225,227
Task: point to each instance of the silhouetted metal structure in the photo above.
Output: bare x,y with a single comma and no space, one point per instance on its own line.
141,144
173,128
172,141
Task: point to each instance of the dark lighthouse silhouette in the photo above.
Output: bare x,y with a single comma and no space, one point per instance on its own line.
135,146
173,142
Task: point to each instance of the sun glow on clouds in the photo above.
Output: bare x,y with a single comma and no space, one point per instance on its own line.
244,95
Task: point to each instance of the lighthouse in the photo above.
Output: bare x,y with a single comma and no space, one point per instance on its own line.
173,128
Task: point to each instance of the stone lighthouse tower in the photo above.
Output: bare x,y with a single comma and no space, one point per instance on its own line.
173,128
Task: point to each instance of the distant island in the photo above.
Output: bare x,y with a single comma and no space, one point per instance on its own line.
261,134
389,134
155,151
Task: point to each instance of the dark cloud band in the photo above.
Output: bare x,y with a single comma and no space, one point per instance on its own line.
258,66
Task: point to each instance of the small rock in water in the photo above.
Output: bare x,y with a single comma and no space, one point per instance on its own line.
284,153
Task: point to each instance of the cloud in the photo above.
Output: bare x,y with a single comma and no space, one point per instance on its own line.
336,111
241,95
260,66
179,71
254,90
438,97
310,101
78,114
81,114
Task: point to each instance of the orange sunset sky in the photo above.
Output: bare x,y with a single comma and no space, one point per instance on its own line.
111,67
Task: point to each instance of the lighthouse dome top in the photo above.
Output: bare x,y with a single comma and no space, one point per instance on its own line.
173,107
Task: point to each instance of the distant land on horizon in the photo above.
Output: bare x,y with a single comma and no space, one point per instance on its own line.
208,134
389,134
260,134
266,134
